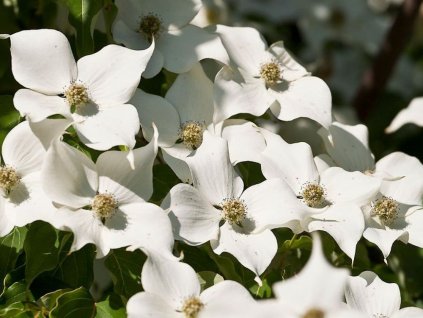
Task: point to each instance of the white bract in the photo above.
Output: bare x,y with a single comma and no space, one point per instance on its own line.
335,195
197,212
105,203
260,77
179,45
413,114
172,290
316,292
92,92
375,298
22,199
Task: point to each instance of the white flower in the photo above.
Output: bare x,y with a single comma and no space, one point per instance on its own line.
375,298
413,114
317,291
92,92
217,195
172,290
262,77
104,203
335,195
179,45
22,199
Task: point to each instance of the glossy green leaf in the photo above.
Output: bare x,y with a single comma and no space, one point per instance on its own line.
81,15
110,308
48,300
41,248
74,304
11,246
125,268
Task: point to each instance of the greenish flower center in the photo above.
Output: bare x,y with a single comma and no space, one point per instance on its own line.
271,73
104,205
192,307
9,178
191,134
386,209
313,195
314,313
150,26
76,95
234,211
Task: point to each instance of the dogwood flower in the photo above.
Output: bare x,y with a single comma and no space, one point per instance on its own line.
104,203
302,296
92,92
197,212
375,298
172,289
413,114
335,195
22,199
260,77
179,45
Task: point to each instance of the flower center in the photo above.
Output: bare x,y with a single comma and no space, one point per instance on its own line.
313,195
192,134
150,26
386,209
9,178
314,313
76,95
192,307
271,73
104,205
234,211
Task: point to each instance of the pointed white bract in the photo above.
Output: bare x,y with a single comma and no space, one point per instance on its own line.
104,203
260,77
172,290
22,199
370,295
333,198
217,195
413,114
92,92
179,45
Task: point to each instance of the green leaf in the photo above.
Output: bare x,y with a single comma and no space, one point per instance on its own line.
41,248
18,310
110,308
9,116
74,304
163,180
48,300
81,14
125,268
208,279
76,269
11,246
17,292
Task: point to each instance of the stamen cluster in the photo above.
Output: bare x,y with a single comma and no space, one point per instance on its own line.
192,307
271,73
191,134
104,205
314,313
313,195
76,95
386,209
9,178
150,26
234,211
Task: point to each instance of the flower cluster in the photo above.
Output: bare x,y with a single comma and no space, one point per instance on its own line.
92,141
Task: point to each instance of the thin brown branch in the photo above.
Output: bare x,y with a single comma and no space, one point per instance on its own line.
376,78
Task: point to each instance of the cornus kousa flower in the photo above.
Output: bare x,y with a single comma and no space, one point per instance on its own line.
172,289
375,298
260,77
301,296
413,114
91,92
183,116
179,45
104,203
22,199
216,209
335,195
